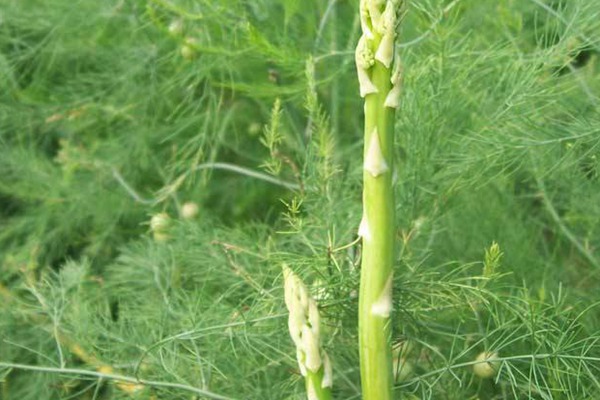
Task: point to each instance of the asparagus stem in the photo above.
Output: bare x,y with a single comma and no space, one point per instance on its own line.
379,79
314,386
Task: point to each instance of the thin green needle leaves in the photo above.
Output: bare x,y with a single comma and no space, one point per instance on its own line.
115,377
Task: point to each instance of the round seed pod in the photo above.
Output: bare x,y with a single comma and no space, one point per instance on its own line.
189,210
255,128
486,369
159,224
188,49
176,27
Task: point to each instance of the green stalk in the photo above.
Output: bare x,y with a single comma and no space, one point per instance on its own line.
377,258
379,78
314,382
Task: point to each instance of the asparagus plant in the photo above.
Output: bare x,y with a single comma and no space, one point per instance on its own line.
379,76
304,326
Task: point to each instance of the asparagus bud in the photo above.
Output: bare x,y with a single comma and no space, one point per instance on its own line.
364,61
387,28
304,327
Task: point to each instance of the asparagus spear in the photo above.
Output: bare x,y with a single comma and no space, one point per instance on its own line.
379,78
304,326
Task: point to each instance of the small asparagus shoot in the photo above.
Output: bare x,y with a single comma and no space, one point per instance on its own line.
304,326
379,77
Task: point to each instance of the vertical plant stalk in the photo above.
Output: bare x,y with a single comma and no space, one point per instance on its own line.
305,330
379,78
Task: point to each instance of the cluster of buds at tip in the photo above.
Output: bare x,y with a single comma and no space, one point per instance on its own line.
379,19
304,327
